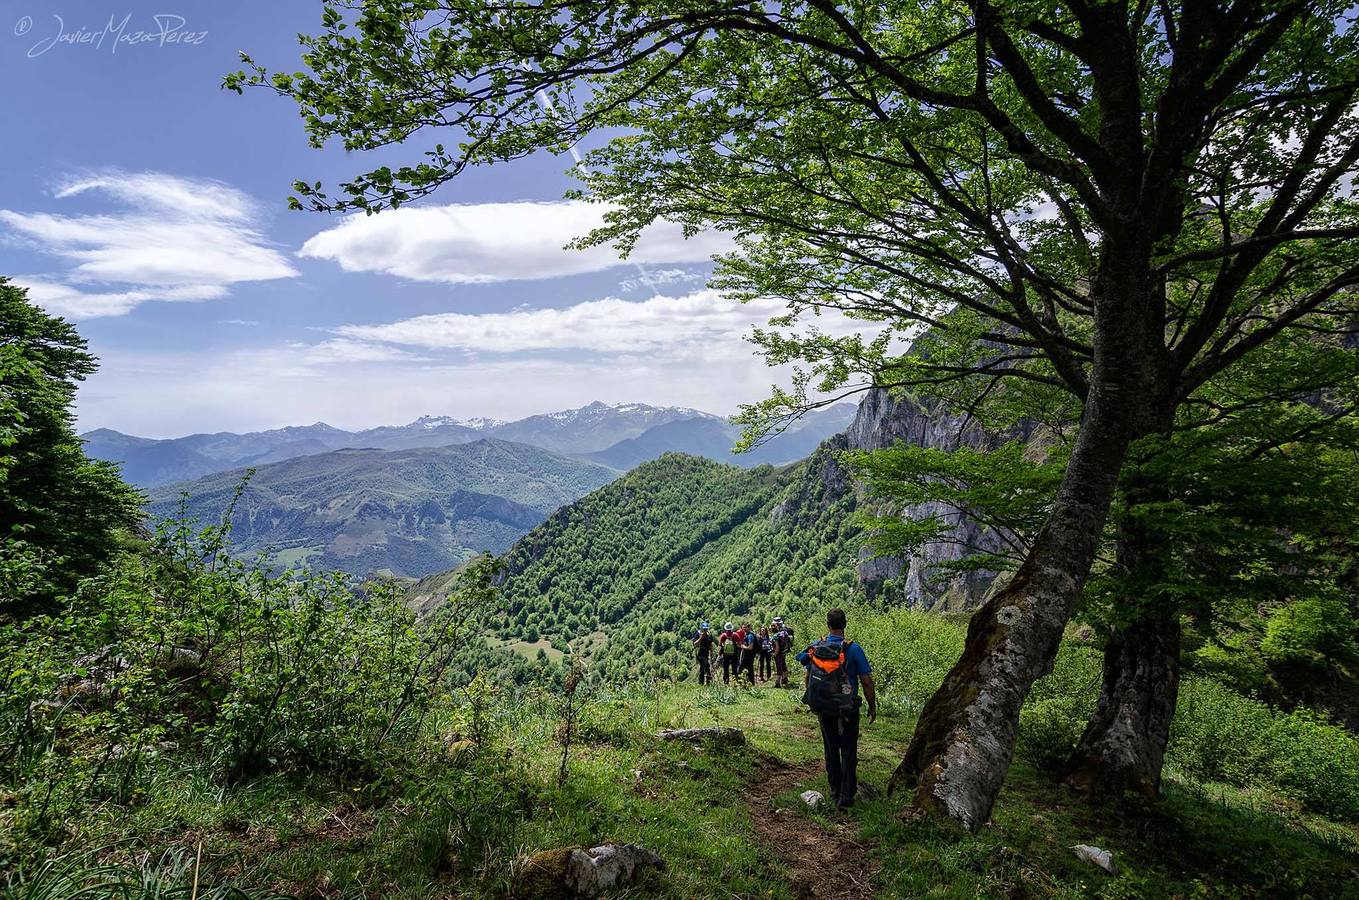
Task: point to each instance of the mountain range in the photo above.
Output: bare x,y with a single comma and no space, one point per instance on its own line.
679,539
401,512
619,436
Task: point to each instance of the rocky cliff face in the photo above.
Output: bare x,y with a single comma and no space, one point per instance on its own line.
882,421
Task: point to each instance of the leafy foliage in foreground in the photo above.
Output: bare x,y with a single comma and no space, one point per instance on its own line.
455,812
183,656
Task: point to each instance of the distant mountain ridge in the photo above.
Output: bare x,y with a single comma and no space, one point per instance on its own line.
405,512
713,437
598,430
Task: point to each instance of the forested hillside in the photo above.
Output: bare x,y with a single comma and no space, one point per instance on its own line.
707,541
624,573
406,512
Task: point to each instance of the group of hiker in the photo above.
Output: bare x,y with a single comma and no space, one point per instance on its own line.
835,669
761,653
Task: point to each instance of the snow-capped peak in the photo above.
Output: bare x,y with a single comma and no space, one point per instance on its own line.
429,423
480,423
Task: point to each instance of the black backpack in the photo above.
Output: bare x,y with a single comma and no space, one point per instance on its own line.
828,689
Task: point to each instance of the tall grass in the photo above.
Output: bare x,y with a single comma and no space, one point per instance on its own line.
1218,734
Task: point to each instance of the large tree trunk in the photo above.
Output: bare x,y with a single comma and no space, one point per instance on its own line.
1124,743
965,737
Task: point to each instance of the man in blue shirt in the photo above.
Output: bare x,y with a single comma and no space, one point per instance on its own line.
840,732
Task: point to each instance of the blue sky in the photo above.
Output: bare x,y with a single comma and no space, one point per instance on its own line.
142,201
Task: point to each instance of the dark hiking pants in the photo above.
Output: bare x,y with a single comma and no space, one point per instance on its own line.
840,739
748,665
705,670
730,668
766,664
781,668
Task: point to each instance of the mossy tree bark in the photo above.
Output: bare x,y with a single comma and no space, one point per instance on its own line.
1123,747
1124,744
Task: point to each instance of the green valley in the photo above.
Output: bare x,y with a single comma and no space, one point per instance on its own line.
402,512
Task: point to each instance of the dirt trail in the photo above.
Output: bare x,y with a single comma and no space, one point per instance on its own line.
827,863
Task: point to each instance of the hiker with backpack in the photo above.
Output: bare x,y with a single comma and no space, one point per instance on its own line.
783,642
766,653
750,647
703,648
835,669
729,646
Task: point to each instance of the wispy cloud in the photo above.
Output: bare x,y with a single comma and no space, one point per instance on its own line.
68,300
166,239
344,351
489,242
665,325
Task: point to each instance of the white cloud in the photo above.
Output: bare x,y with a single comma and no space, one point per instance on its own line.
169,239
659,325
343,351
73,302
488,242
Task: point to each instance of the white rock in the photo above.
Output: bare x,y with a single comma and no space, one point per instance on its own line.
812,798
1095,856
590,872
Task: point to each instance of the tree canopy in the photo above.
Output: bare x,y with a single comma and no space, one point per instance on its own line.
60,512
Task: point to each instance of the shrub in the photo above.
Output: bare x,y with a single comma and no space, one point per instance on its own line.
184,651
1048,732
1313,631
1315,762
1220,735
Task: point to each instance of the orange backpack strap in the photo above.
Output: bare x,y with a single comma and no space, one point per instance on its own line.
826,665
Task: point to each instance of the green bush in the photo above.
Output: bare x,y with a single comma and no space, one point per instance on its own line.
182,655
1220,735
1315,762
910,651
1048,732
1313,631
